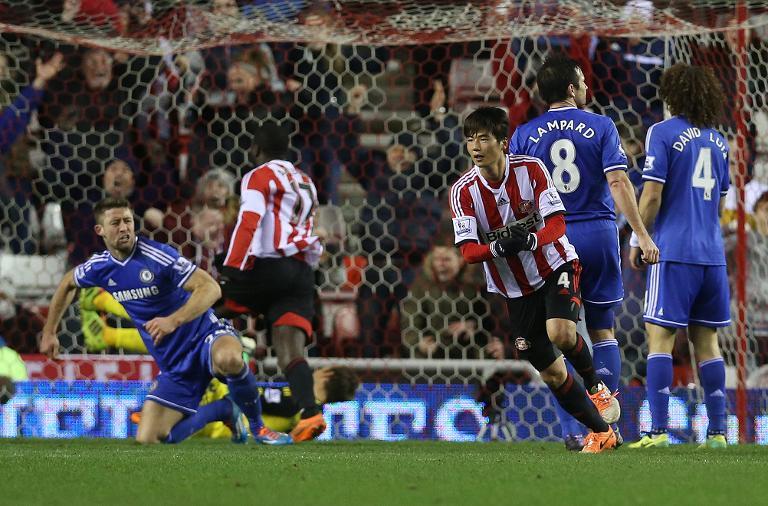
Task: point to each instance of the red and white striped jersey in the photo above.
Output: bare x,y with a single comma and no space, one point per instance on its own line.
276,218
482,213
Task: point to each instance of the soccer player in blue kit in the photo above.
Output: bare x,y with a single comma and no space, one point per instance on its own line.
169,299
686,179
583,153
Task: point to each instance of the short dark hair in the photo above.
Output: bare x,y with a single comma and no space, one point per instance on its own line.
554,76
487,119
271,139
107,204
342,385
693,92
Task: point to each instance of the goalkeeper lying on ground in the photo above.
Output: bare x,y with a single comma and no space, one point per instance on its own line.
279,411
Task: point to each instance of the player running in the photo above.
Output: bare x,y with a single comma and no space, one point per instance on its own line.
269,266
508,215
686,178
169,300
582,151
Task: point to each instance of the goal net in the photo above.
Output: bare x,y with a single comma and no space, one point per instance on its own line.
158,100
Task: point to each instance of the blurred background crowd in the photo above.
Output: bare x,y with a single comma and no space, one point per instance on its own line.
378,130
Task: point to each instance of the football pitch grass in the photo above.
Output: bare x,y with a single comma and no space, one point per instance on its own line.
111,472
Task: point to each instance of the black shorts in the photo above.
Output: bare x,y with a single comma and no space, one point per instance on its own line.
281,289
558,298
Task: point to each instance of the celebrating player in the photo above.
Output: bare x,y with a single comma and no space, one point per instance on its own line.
269,264
686,165
169,300
508,215
583,153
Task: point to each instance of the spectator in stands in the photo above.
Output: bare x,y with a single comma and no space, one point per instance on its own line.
229,115
20,325
398,223
88,98
118,181
198,226
17,214
757,272
325,79
15,116
339,275
19,221
442,317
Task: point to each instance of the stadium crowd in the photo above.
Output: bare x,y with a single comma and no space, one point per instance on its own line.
377,129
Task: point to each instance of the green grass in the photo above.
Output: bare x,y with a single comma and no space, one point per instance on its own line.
86,472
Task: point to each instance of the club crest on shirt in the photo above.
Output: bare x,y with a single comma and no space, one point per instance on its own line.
146,276
525,207
522,343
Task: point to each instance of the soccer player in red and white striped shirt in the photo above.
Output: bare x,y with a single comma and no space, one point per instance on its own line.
508,215
269,266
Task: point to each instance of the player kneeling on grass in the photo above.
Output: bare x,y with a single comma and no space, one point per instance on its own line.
169,299
508,215
280,409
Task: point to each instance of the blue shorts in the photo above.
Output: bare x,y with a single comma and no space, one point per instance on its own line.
677,295
183,390
597,244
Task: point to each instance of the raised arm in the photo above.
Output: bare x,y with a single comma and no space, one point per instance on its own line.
205,292
62,298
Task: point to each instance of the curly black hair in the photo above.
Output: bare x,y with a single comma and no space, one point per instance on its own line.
693,92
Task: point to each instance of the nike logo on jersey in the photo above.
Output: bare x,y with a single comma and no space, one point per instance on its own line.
111,283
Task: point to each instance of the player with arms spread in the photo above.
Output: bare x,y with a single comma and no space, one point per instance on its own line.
508,215
583,153
269,266
169,300
686,179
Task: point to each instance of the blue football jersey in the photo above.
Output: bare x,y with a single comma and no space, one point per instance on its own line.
693,165
149,283
578,148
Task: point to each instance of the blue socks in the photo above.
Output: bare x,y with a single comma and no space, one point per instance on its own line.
712,376
607,360
659,379
220,410
243,389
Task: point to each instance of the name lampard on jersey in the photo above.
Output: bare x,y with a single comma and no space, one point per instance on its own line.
136,293
527,223
563,124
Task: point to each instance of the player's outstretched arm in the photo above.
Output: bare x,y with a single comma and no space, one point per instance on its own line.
650,203
62,298
624,196
205,292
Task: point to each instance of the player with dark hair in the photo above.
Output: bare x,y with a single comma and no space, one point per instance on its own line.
686,178
508,215
169,300
269,265
279,409
582,151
